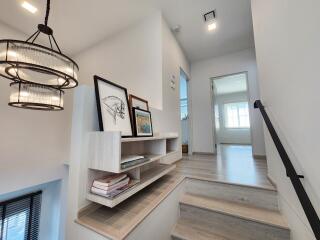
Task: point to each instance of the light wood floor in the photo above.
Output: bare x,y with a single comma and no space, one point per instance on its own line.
233,163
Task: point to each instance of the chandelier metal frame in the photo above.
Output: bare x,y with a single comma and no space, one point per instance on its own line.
27,62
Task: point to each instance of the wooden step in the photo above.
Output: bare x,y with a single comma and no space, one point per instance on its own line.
186,230
233,220
260,197
243,211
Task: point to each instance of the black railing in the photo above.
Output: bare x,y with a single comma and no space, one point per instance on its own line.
307,206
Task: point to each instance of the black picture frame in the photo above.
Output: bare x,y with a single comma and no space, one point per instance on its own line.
134,110
97,93
133,97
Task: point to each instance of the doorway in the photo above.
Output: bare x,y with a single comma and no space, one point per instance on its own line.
184,112
230,98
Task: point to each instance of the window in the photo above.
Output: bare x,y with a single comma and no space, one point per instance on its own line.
184,108
19,218
236,115
183,97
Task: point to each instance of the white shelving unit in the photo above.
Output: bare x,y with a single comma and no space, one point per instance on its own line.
147,177
105,151
95,154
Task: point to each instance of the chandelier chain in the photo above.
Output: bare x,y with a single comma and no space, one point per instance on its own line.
47,13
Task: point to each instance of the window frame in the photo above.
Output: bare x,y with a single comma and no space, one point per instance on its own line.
225,116
33,221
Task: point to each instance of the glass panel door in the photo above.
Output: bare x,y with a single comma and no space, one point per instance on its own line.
184,112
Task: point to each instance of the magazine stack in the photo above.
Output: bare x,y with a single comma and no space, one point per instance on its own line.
112,185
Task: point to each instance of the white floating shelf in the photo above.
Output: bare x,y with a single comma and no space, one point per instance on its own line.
106,151
152,158
147,177
106,148
158,137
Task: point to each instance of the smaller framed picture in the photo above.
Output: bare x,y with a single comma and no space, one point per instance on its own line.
136,102
142,123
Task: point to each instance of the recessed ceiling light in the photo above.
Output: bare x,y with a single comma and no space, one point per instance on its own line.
210,20
29,7
212,26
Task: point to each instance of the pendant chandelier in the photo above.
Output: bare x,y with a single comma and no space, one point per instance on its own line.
38,73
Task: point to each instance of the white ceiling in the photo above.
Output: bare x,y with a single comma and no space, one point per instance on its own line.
79,24
234,26
230,84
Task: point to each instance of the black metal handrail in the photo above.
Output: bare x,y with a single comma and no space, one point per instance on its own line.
307,206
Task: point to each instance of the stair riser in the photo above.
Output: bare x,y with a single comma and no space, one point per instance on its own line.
236,228
189,231
262,198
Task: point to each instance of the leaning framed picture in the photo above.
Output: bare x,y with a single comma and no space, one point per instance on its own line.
142,123
113,107
136,102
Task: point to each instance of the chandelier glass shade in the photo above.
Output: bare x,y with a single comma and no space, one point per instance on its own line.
35,96
39,74
30,62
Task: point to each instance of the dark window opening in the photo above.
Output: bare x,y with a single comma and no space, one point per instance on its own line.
20,217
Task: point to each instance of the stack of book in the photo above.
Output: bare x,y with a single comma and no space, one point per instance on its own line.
132,160
112,185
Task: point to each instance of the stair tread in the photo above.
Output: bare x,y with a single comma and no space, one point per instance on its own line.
267,187
187,230
260,215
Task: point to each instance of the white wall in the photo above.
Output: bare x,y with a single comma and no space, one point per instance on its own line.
201,72
288,63
132,58
144,58
152,46
173,58
231,135
34,144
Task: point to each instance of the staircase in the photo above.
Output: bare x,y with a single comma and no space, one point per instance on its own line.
222,211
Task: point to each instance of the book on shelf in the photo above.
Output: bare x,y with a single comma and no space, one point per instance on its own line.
105,190
129,158
116,192
109,180
125,165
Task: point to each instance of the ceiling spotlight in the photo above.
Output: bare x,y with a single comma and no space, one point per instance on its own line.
212,26
210,20
29,7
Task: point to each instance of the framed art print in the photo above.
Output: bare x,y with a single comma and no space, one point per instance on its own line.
142,123
113,107
136,102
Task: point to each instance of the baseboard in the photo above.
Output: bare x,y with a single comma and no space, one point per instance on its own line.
272,182
203,153
240,144
257,156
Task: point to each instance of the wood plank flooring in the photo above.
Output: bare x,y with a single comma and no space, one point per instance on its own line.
233,163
